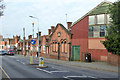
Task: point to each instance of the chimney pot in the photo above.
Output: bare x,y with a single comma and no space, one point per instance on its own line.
69,24
49,31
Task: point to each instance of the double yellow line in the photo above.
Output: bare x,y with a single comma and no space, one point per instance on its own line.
5,73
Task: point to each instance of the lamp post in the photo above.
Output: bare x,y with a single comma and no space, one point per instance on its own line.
38,31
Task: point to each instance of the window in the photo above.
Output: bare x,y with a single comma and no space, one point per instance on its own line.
97,31
102,31
58,34
53,46
65,43
62,46
47,40
100,19
90,33
56,45
91,20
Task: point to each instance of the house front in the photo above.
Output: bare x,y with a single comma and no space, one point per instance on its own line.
89,31
60,43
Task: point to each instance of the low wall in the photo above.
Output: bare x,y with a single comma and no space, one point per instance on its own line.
114,59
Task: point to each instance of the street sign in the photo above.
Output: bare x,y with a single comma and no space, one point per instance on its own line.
32,42
41,61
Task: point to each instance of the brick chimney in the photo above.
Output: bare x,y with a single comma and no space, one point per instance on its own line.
69,24
49,31
52,28
39,34
30,37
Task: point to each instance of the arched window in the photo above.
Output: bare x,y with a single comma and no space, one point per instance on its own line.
53,46
65,47
62,46
56,46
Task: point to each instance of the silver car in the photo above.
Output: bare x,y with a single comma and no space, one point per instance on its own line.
3,52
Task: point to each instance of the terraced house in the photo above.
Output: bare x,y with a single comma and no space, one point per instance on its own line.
89,31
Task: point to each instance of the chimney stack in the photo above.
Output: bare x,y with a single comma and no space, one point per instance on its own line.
69,24
49,31
39,34
30,37
52,28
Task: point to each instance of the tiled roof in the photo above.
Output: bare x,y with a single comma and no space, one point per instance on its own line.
62,28
102,8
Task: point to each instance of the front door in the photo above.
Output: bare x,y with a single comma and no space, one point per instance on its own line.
76,53
58,51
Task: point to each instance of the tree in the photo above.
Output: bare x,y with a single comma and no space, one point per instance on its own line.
112,42
2,6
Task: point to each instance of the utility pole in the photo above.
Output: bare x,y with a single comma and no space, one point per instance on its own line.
24,40
38,31
33,39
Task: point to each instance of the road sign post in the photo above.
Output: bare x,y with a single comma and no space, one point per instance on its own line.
41,61
32,57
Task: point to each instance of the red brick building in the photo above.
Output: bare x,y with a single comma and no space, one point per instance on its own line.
88,33
60,43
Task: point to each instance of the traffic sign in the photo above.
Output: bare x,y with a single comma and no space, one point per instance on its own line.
41,59
32,42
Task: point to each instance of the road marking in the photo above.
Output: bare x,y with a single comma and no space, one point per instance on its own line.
58,71
75,76
20,61
17,60
44,70
5,73
50,71
69,77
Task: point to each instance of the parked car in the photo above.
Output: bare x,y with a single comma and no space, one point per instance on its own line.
3,52
10,52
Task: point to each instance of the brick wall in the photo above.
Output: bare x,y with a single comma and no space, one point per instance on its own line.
113,59
79,33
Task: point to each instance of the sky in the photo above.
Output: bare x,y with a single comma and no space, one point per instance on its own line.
49,12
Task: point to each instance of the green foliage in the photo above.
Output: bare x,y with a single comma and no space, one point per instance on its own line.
112,42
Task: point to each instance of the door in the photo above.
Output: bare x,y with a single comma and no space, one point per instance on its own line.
76,53
58,51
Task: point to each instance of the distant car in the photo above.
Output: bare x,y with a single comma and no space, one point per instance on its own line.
3,52
10,52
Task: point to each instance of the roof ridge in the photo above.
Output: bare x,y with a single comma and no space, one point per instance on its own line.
90,12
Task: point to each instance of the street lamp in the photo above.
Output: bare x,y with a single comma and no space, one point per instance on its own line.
38,31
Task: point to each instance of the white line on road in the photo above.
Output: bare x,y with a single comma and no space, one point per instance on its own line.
17,60
59,71
69,77
44,70
50,71
75,77
20,61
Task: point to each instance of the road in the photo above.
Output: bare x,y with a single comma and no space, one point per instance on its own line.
18,68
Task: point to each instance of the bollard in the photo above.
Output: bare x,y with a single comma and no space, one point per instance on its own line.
41,61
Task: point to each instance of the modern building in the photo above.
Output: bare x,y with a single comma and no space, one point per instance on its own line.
89,31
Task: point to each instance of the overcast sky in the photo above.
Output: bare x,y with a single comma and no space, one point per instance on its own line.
49,12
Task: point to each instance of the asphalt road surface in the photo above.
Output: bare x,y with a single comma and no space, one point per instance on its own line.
18,68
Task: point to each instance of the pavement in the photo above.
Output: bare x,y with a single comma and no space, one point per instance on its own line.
17,66
104,66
